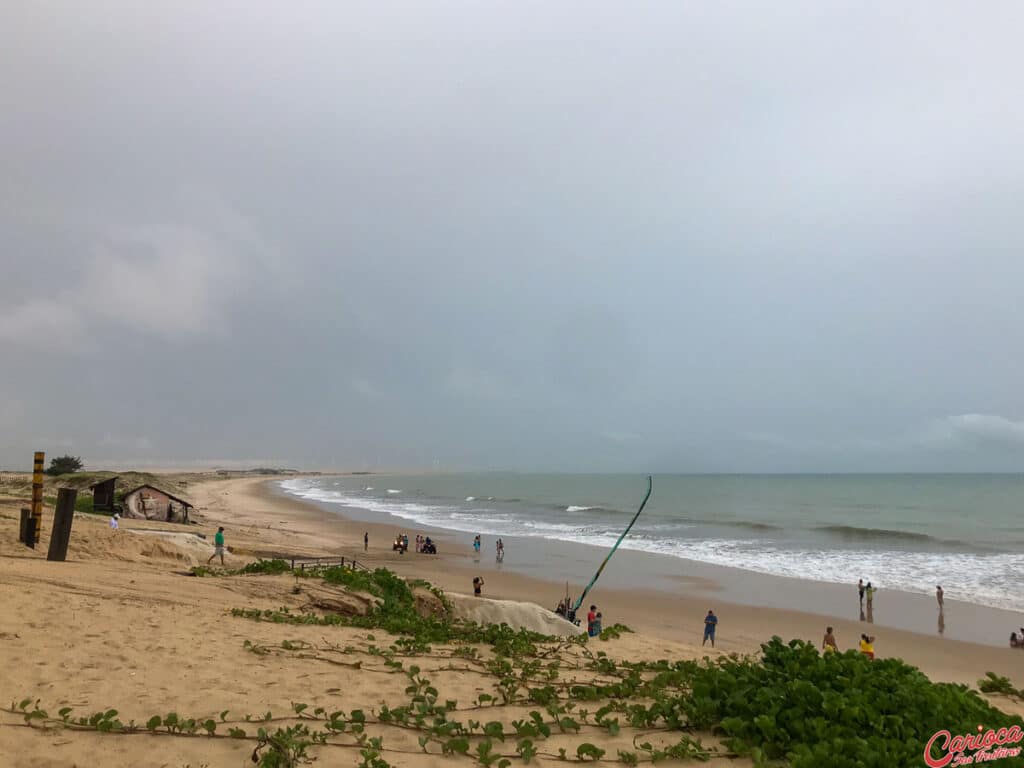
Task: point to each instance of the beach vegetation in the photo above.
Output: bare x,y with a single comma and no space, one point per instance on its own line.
787,706
993,683
614,632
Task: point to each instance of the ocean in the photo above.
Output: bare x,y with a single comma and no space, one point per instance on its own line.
902,532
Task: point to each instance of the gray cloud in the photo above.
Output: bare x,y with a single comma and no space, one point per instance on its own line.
980,428
513,236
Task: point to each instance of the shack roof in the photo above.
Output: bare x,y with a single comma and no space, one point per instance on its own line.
170,496
104,482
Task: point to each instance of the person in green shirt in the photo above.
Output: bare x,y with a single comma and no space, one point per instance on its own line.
218,545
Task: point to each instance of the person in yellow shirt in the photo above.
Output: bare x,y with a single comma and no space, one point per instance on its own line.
867,646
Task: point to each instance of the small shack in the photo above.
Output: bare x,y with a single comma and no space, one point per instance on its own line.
103,495
151,503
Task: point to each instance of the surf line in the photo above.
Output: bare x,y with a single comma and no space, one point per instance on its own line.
608,557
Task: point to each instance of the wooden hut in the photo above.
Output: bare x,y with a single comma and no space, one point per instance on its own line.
152,503
103,495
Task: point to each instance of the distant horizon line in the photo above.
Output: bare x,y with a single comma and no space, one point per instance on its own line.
173,467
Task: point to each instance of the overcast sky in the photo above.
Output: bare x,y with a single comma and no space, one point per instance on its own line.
675,236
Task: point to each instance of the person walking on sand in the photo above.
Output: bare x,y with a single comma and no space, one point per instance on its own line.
939,596
828,643
478,584
218,546
710,622
860,591
366,541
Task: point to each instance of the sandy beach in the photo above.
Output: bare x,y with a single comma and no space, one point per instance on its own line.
123,625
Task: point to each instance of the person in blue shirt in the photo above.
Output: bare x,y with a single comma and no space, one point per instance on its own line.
710,622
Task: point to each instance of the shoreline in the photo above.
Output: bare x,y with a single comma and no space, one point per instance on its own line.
312,530
575,563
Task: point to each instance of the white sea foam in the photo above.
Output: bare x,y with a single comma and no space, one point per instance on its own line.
394,490
574,508
471,498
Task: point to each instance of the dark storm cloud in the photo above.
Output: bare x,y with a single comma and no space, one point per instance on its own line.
700,237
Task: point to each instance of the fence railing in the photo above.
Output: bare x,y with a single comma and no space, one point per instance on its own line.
312,563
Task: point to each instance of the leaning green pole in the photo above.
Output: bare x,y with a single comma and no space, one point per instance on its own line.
608,557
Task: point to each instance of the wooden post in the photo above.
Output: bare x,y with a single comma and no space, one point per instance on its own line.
26,515
37,491
63,516
30,532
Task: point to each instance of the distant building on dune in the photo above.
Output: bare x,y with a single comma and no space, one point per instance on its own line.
151,503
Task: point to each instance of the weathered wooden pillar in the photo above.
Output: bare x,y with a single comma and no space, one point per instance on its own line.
63,516
37,492
30,532
26,515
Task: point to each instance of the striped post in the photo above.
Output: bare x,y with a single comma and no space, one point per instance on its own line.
37,492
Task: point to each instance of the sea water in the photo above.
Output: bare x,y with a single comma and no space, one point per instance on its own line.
903,532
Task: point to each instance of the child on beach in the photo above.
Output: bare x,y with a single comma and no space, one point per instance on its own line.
867,646
478,584
828,643
591,618
710,622
939,596
595,626
113,521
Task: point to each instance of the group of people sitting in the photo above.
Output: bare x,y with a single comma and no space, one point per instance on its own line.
829,644
566,611
1017,641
